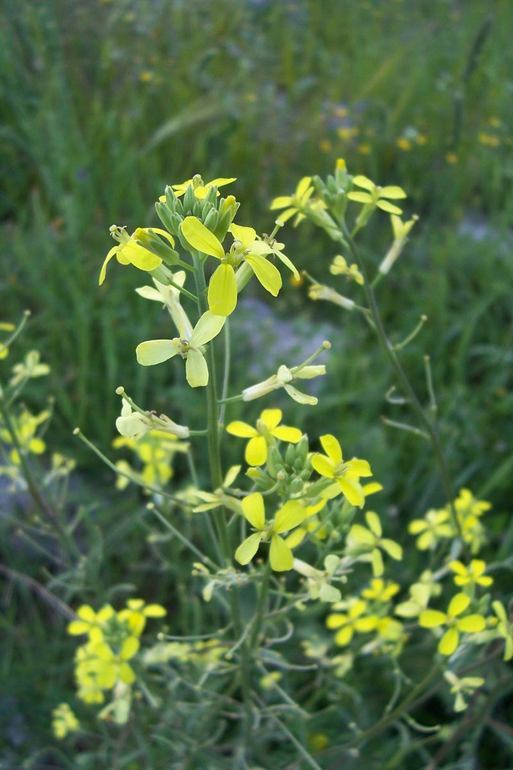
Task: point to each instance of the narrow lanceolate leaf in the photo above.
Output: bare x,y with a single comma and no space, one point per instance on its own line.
222,291
200,238
154,352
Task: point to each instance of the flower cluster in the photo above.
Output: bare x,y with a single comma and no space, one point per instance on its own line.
105,662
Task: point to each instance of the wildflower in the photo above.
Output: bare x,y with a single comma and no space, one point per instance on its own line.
219,497
400,230
404,144
283,379
369,542
376,196
286,518
418,600
364,148
267,427
339,266
380,591
154,352
434,527
136,613
504,628
247,248
112,666
469,511
30,368
347,474
155,449
451,158
135,249
25,427
319,581
294,204
90,622
64,721
489,140
462,687
135,423
199,187
318,291
350,622
454,624
472,575
169,296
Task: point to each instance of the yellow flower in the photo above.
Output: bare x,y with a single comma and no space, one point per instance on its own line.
489,140
136,249
286,518
247,249
404,144
339,266
90,622
199,187
64,721
350,622
380,591
361,540
462,687
347,474
504,628
154,352
112,667
155,450
451,158
137,612
294,204
469,624
434,527
472,575
376,196
267,427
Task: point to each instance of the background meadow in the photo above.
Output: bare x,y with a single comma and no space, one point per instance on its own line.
103,104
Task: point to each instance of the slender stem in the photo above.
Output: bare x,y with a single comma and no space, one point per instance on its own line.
422,416
216,474
48,513
260,608
226,371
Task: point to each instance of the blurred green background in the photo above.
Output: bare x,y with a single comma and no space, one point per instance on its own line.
104,103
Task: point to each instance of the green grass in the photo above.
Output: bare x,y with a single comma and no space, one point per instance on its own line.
103,103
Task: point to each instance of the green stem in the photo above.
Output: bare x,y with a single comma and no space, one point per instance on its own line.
407,388
261,604
216,474
48,513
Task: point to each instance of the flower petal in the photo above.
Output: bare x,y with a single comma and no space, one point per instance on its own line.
248,548
154,352
352,491
254,510
196,369
332,447
374,523
241,429
285,433
256,451
388,207
208,327
323,465
103,272
290,515
432,618
222,291
449,642
458,604
200,237
271,418
268,275
246,235
280,555
472,624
